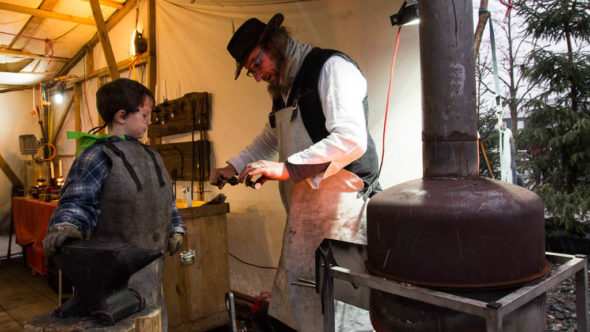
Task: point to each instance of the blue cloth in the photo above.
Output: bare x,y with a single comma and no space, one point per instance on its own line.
79,203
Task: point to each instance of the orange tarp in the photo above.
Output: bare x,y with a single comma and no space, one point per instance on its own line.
31,217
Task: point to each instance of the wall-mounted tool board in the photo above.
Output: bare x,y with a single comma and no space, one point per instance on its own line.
182,115
178,158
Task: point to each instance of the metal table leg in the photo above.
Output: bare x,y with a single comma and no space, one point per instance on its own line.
493,312
582,296
329,325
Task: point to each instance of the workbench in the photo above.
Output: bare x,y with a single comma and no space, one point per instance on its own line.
195,293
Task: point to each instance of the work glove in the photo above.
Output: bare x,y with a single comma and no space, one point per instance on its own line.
174,243
57,235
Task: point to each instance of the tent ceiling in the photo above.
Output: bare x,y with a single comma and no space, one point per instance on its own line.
39,37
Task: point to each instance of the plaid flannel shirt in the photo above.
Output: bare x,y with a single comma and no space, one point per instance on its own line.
79,203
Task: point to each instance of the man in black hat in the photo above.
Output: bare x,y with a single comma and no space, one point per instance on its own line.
327,164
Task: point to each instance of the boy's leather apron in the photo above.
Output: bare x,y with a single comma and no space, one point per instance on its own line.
139,217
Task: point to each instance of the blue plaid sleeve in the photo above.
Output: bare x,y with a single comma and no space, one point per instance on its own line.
177,224
80,196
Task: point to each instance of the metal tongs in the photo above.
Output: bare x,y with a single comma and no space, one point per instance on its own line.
248,182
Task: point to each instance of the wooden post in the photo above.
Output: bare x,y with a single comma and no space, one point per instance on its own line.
10,173
104,39
481,24
62,119
89,62
77,119
151,37
44,13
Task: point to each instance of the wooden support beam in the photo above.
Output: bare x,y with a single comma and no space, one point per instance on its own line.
45,13
25,54
111,22
62,120
151,37
10,173
77,118
31,26
110,3
121,65
16,66
481,25
103,34
89,62
10,88
99,83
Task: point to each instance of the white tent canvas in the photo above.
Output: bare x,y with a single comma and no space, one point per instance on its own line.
191,57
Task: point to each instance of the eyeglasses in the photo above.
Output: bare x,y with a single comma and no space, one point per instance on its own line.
256,65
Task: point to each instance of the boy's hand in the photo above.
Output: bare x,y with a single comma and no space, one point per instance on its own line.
174,244
57,235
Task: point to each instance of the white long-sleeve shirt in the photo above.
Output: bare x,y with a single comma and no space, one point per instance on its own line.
342,89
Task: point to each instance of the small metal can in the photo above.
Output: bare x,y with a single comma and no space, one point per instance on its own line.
187,257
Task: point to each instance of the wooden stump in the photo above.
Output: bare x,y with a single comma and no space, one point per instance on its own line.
147,320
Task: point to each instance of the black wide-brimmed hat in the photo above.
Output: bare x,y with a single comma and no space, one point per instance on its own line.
250,34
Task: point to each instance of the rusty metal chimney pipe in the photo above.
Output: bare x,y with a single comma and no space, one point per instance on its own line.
452,229
449,148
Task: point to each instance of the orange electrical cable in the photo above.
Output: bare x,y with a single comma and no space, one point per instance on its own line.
54,151
387,104
485,156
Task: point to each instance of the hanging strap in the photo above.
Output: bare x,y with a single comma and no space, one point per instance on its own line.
158,169
130,169
499,111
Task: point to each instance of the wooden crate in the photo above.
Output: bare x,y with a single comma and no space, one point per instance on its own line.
195,294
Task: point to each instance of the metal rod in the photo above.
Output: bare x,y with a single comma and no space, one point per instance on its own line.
441,299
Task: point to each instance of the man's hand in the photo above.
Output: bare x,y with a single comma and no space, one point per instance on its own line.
269,170
57,235
174,243
218,174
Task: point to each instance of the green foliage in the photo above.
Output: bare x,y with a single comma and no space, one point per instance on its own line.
489,137
557,135
547,19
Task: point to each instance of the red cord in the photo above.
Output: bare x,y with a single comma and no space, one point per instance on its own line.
388,93
508,7
258,266
48,43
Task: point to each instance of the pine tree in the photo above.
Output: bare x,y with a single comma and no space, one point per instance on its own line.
489,160
557,135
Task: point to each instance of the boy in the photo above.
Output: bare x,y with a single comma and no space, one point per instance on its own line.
117,189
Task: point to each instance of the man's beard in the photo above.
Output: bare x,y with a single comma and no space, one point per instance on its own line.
277,86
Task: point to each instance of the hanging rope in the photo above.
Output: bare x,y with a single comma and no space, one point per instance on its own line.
508,5
47,41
